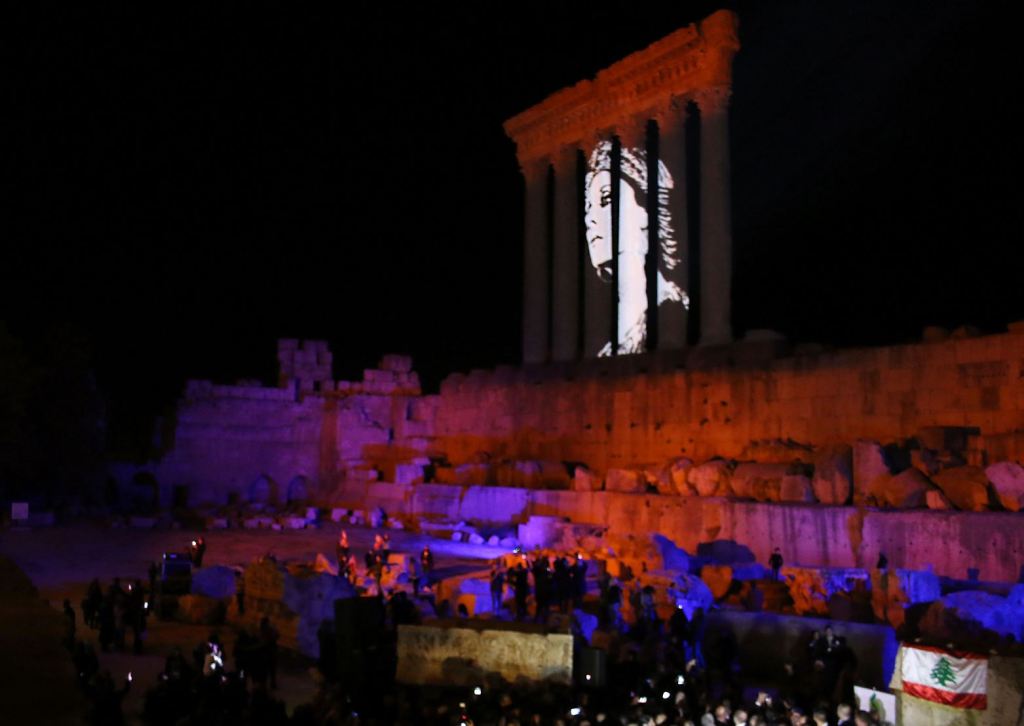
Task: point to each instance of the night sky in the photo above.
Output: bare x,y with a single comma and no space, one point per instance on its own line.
185,187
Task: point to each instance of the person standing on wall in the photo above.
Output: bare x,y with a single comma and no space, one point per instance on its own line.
775,562
497,588
427,564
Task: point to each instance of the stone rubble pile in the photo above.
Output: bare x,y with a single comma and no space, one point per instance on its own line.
928,471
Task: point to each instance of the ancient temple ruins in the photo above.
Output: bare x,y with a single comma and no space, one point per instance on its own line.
607,254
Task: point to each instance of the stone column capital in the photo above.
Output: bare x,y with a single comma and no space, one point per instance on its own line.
632,132
713,101
534,169
671,115
590,141
564,159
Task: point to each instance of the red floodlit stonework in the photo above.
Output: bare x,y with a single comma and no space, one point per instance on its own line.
710,451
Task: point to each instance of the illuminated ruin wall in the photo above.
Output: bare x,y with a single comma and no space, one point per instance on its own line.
638,410
501,445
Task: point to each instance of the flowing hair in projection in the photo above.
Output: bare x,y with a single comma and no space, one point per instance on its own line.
633,243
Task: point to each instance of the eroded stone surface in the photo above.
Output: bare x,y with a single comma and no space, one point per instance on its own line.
430,654
833,475
1007,478
906,490
965,486
796,488
869,462
711,479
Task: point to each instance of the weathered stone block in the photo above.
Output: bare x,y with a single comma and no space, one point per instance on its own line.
975,612
711,479
428,654
762,482
1007,478
869,462
935,499
833,475
965,486
718,578
625,480
408,474
796,488
893,590
584,480
678,471
906,490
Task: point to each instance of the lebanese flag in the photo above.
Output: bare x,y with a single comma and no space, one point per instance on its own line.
952,678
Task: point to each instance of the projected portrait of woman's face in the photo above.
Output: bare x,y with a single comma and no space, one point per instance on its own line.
598,218
633,240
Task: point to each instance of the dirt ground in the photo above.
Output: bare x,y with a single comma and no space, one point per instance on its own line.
60,561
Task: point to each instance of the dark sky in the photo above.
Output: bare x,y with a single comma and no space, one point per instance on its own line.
184,187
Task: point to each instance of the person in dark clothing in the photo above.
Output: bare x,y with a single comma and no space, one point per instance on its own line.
91,604
107,624
678,628
497,588
541,588
521,590
579,580
415,576
240,592
198,550
135,614
883,561
106,700
69,624
268,641
561,593
427,564
696,637
341,550
375,562
86,663
775,562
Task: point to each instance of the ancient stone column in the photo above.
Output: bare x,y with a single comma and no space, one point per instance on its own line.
565,259
535,263
598,258
631,275
715,218
673,281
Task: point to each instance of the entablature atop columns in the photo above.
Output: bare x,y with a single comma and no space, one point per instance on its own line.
642,84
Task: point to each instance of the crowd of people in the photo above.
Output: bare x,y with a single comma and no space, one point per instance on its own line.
675,670
114,613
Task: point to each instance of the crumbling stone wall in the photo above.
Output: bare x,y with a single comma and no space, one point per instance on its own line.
622,413
254,442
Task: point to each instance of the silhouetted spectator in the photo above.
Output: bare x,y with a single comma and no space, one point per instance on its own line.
775,562
497,588
268,641
69,625
197,551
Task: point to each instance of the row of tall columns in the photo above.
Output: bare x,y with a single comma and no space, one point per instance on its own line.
535,264
715,219
565,258
551,326
672,321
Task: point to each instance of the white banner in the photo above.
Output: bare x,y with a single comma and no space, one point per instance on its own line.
878,703
950,678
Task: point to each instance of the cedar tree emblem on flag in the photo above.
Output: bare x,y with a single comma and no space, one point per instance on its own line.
951,678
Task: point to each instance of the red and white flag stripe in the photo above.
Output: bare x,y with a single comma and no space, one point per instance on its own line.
953,678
